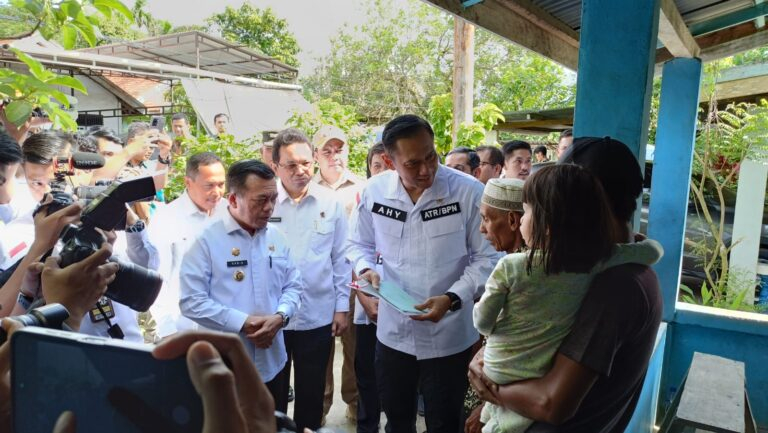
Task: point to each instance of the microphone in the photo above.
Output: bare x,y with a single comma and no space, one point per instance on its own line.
86,160
79,161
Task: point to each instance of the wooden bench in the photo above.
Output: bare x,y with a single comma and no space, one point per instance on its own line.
712,398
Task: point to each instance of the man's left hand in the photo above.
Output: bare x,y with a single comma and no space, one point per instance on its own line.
437,306
340,323
264,336
164,143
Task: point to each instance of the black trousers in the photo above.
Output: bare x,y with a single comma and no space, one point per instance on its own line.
308,351
442,381
368,402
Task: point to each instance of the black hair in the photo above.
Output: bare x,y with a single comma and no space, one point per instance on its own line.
216,117
572,226
200,159
615,167
137,128
566,133
86,143
287,137
181,116
541,149
10,152
238,173
405,126
43,147
106,134
376,149
472,157
514,145
495,157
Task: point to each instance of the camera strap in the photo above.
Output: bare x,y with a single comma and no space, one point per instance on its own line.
113,330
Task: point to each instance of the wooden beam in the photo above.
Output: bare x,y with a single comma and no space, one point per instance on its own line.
710,41
463,74
674,33
545,20
734,47
497,17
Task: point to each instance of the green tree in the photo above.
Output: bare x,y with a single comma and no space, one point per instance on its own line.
40,88
470,134
259,29
402,57
330,112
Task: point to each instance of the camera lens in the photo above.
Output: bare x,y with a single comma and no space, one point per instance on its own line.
134,286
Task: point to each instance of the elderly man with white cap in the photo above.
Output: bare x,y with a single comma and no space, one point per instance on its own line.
501,209
332,154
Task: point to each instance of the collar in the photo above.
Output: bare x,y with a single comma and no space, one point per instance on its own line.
190,208
231,225
439,190
282,194
346,178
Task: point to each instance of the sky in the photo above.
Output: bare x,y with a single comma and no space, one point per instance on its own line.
313,22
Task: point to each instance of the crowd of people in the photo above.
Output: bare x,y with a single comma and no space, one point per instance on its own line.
531,285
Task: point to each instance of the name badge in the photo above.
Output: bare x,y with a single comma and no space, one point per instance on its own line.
439,212
389,212
275,219
237,263
106,305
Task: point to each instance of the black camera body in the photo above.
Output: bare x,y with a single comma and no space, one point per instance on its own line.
134,286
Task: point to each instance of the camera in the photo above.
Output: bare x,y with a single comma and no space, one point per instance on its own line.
134,286
47,316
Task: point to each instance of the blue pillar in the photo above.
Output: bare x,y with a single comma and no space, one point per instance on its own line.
617,50
675,136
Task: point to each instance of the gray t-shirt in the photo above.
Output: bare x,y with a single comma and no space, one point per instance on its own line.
614,335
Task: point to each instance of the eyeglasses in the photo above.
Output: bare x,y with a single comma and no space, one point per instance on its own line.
484,163
294,166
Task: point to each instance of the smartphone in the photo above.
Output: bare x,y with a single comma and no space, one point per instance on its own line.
158,122
110,385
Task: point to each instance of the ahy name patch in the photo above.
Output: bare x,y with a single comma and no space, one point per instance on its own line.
389,212
437,212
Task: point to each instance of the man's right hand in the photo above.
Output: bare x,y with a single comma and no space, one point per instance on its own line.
78,286
372,277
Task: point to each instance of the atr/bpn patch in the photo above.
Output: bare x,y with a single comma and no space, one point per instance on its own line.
441,211
389,212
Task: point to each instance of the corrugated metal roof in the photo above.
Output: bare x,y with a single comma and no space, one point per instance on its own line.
693,11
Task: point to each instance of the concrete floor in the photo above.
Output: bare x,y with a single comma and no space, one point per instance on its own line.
336,419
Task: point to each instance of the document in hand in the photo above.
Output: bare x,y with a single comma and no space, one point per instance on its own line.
393,295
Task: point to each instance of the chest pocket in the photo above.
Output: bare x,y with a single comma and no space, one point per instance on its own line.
322,236
446,237
389,234
276,268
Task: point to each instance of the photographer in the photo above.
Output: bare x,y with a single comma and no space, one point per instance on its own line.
140,143
15,200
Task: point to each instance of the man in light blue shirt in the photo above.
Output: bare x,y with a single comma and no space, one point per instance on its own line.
239,277
423,219
315,226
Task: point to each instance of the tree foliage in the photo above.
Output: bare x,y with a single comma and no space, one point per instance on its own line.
259,29
470,134
402,57
330,112
40,88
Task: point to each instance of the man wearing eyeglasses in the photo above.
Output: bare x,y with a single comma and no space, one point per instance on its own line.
315,226
332,154
491,163
517,159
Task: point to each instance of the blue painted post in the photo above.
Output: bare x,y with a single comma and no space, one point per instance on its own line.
675,137
617,50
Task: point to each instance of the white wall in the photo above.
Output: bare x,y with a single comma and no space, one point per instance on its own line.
98,98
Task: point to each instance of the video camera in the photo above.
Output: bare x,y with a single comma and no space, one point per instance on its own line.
134,286
64,166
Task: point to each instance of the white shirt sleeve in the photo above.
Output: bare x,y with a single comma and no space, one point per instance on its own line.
361,246
196,302
342,271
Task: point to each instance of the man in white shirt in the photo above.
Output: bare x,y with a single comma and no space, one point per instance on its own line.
315,226
331,155
175,227
238,276
423,219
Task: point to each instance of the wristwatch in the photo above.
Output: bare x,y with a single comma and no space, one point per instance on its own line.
166,161
455,301
285,317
